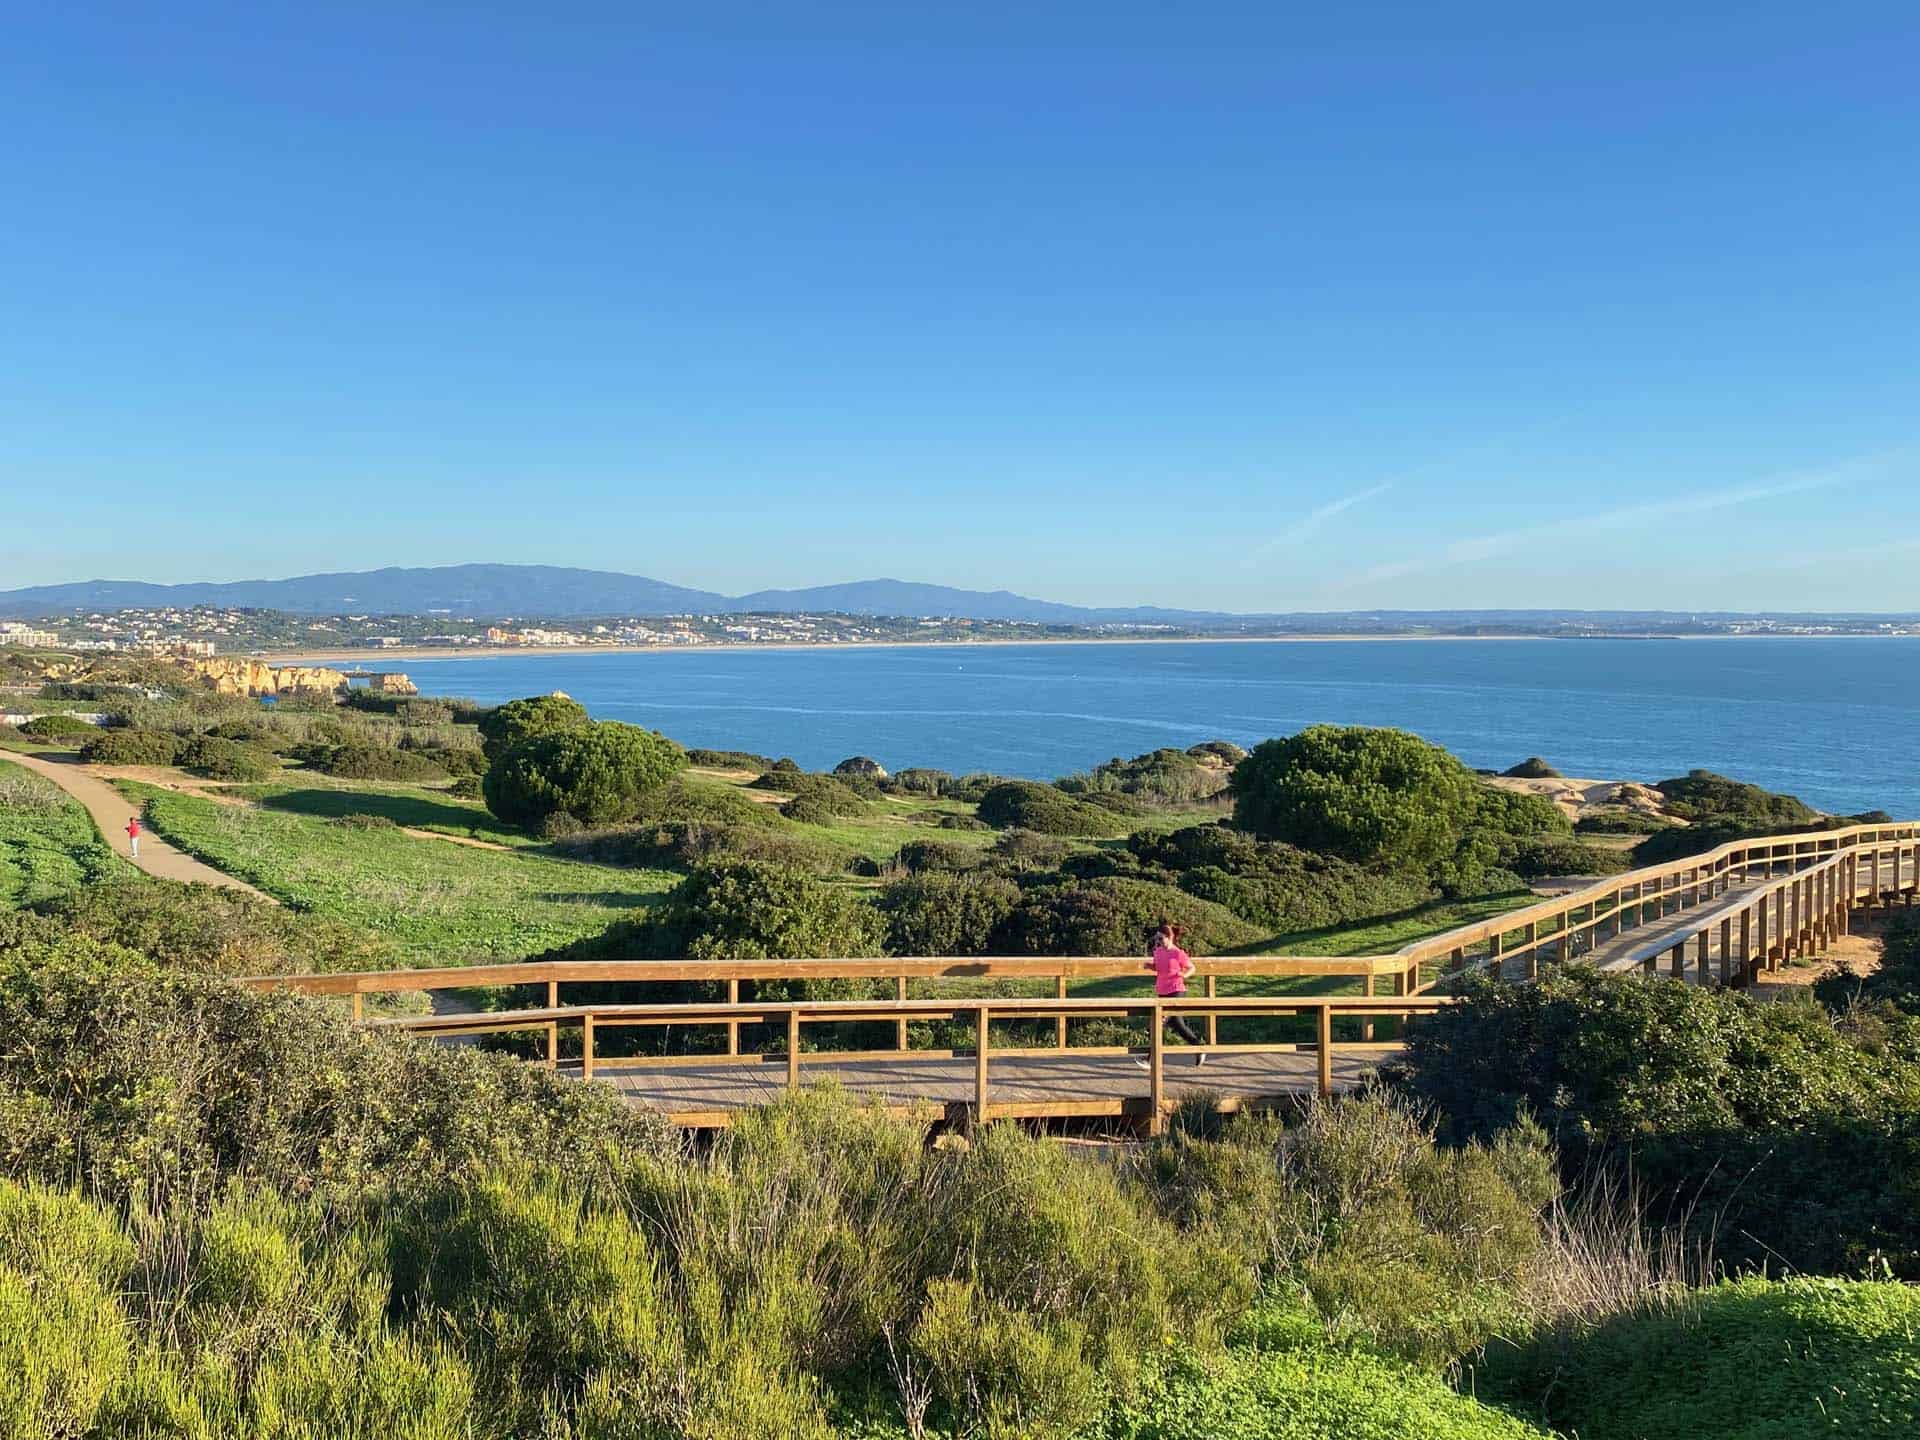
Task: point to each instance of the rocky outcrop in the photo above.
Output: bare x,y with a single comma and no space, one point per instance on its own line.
391,682
864,767
237,675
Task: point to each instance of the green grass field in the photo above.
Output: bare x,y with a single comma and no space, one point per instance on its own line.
48,846
437,902
412,805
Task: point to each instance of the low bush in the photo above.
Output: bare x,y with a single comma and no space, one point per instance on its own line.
1279,887
944,913
728,760
203,929
1896,982
380,762
217,759
57,727
1749,1359
1621,822
131,747
919,855
1532,768
145,1082
1223,752
916,780
820,799
1025,851
1027,805
1536,858
1160,777
1790,1136
690,800
1115,916
688,843
1701,795
748,910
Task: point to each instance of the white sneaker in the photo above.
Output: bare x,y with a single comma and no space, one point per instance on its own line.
1143,1065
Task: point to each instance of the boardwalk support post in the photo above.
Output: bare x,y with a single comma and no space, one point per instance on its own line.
793,1049
1156,1074
982,1037
733,1026
1326,1051
586,1046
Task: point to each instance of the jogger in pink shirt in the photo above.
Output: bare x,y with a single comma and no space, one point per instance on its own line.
1171,967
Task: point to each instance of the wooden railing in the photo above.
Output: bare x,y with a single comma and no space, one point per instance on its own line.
1766,900
789,1017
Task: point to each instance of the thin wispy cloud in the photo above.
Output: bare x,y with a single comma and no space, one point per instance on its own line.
1311,523
1573,530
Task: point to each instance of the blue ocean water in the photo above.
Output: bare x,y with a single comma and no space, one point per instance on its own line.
1836,721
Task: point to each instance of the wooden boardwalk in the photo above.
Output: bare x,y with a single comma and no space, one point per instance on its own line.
1038,1084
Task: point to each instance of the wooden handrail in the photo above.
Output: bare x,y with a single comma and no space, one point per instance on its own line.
793,1014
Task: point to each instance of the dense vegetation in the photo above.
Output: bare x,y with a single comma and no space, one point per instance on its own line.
228,1213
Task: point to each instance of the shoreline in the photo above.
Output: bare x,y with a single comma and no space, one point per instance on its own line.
362,659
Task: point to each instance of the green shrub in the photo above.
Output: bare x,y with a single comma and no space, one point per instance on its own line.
380,762
1532,768
1026,850
728,760
751,911
1026,805
218,759
690,800
467,787
690,843
946,913
1379,797
140,1082
457,760
1007,1373
916,780
1749,1359
1702,795
1518,813
1621,822
517,721
920,855
1114,915
1160,777
819,799
1221,752
131,747
57,727
1786,1135
1279,887
1534,858
597,774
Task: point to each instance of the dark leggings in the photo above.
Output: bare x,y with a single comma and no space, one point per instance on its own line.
1178,1024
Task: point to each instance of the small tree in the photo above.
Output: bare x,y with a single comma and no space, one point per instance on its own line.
750,911
598,774
503,728
1376,796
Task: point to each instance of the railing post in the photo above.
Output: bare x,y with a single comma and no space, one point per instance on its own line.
1678,956
1213,1021
586,1046
1533,950
733,1026
1326,1050
1060,1021
793,1049
1493,964
356,1007
553,1044
1703,954
1746,941
900,1025
1156,1073
982,1032
553,994
1726,949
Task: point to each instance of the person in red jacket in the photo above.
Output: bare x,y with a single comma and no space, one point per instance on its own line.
133,836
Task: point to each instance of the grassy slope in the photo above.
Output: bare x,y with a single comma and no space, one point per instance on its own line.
1747,1360
48,846
439,903
417,806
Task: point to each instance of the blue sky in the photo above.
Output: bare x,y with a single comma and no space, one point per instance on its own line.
1243,306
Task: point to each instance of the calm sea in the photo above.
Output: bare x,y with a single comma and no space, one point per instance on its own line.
1836,722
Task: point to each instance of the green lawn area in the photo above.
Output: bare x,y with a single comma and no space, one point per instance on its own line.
438,903
48,846
411,805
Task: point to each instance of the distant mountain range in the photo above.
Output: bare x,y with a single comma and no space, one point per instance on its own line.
555,592
560,592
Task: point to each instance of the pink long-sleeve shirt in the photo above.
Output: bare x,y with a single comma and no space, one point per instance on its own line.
1170,970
